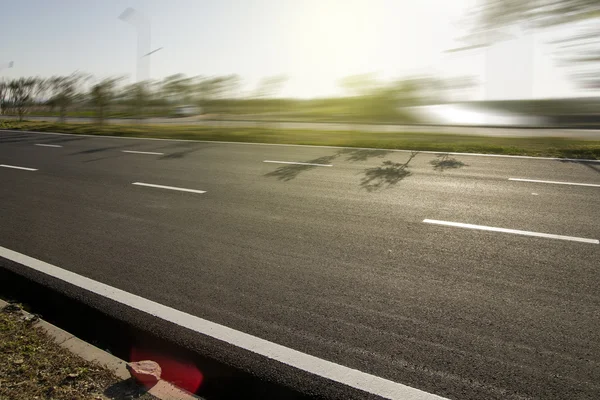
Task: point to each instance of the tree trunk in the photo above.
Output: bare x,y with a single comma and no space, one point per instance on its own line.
100,115
63,114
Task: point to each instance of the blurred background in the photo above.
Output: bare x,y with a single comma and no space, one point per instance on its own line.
523,63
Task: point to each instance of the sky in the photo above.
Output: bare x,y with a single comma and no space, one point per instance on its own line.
314,43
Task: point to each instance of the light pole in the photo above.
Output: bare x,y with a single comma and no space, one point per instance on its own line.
142,26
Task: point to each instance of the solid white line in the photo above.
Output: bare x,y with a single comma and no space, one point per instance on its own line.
314,365
307,145
168,187
298,163
47,145
515,231
554,182
15,167
142,152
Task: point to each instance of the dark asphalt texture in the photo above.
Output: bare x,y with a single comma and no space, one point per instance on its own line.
333,261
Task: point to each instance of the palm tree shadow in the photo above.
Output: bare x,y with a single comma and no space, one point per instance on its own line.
386,175
101,149
187,149
444,162
356,155
291,171
178,154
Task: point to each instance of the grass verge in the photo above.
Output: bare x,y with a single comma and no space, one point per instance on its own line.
540,147
33,366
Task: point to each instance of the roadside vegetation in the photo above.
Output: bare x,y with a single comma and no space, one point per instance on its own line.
365,99
540,147
33,366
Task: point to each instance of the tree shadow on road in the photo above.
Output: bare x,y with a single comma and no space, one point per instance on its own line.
101,149
61,140
386,175
188,149
444,162
177,154
14,138
291,171
356,155
594,166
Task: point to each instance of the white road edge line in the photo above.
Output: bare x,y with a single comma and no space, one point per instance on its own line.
47,145
298,163
306,145
142,152
553,182
16,167
514,231
168,187
314,365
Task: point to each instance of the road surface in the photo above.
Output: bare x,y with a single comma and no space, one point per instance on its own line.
584,134
436,272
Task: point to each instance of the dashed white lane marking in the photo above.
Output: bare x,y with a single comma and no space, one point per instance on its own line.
298,163
16,167
142,152
168,187
47,145
554,182
314,365
514,231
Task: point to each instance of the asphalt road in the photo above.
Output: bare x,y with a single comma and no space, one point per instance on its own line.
583,134
334,261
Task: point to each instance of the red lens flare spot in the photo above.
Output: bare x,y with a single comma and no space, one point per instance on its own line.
180,373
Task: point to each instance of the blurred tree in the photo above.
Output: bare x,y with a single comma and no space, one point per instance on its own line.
101,96
137,96
580,49
359,85
178,88
21,94
372,99
217,93
41,88
64,91
270,86
497,14
229,86
3,94
219,87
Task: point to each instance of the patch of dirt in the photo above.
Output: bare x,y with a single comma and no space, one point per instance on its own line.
33,366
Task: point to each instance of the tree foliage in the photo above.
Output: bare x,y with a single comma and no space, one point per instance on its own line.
64,90
270,86
375,99
101,96
368,98
137,97
579,50
21,94
494,14
3,95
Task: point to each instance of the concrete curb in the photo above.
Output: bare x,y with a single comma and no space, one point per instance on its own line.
163,390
